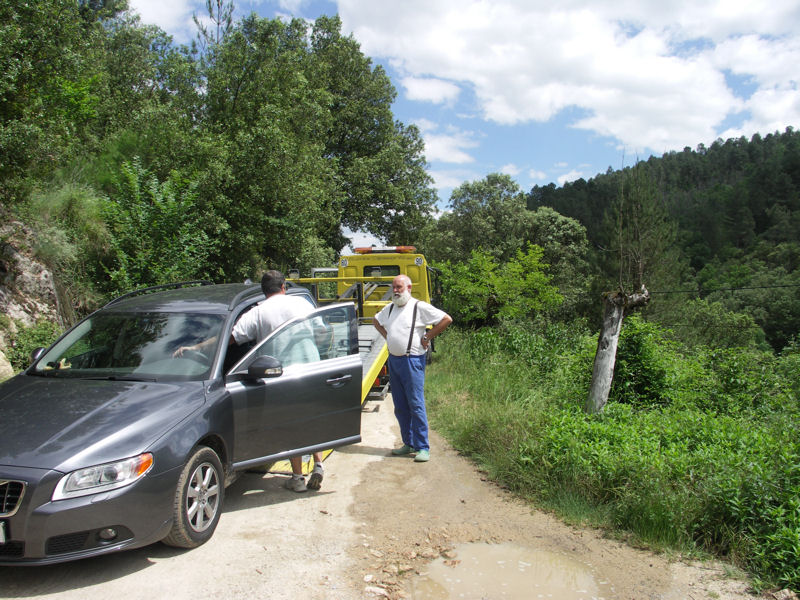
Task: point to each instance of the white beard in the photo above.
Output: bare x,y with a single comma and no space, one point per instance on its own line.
402,299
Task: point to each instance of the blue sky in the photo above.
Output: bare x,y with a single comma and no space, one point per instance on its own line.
549,92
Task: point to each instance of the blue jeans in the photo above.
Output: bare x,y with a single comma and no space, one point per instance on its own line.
407,380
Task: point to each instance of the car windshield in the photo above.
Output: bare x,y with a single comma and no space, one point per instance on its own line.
136,346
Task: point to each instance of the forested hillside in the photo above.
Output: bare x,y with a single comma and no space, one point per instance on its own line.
733,210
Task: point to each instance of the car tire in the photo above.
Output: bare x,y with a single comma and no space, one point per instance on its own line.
198,500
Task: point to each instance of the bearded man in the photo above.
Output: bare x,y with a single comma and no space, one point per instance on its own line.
403,323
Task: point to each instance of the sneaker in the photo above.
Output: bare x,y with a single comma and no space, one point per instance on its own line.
315,481
296,484
403,450
423,456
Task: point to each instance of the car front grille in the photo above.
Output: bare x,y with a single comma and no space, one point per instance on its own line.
11,493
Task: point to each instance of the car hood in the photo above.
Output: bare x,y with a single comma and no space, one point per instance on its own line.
65,424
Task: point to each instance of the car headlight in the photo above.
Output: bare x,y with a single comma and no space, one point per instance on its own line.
102,478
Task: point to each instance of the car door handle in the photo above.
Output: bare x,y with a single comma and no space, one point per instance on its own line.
338,381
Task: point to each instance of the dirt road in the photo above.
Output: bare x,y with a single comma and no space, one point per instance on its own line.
376,527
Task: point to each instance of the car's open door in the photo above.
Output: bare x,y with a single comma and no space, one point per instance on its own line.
299,390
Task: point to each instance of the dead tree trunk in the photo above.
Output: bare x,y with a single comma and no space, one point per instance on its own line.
615,306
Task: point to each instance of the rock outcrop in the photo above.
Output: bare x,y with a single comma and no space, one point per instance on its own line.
27,290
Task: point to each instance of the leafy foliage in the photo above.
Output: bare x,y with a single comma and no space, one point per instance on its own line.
490,215
701,322
641,232
264,141
27,339
490,212
157,234
640,372
482,291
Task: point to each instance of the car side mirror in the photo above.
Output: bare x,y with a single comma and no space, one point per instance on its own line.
36,354
265,367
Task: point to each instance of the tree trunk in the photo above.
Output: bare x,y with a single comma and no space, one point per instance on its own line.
616,303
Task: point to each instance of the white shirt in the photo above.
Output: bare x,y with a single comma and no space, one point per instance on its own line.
270,314
398,325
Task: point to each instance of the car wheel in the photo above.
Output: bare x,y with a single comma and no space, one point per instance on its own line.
198,500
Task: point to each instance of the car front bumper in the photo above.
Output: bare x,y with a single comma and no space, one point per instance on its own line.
41,531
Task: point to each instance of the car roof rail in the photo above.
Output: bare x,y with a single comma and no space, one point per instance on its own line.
163,286
245,293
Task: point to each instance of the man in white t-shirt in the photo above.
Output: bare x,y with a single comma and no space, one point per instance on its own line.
403,323
270,313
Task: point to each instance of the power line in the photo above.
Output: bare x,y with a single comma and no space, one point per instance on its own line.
732,289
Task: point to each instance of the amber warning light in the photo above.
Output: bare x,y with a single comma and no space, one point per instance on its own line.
384,249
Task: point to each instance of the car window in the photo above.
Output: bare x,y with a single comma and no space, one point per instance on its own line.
133,345
325,334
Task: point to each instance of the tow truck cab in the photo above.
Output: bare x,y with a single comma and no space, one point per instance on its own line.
366,278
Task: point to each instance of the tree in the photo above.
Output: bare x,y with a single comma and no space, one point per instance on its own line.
490,214
484,291
276,135
220,13
565,249
380,163
306,143
266,172
48,86
615,304
642,233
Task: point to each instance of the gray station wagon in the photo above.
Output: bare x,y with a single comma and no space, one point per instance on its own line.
109,442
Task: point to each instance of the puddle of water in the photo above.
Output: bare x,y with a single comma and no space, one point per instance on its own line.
490,571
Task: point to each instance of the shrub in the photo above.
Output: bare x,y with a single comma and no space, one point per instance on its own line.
483,291
703,323
157,230
640,372
27,339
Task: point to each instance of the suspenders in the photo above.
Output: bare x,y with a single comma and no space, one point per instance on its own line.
413,322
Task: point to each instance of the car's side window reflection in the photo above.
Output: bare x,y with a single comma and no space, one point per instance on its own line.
320,336
292,345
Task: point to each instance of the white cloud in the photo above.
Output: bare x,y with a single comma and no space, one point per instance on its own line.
173,16
537,175
510,169
776,101
567,177
771,110
430,90
449,146
359,239
444,180
291,6
649,74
